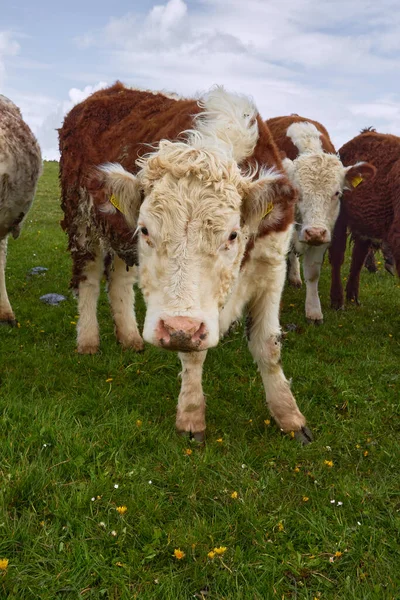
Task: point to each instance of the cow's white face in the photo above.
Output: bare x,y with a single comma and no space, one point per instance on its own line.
320,179
194,215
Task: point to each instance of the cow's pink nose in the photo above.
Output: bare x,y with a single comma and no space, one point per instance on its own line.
316,236
181,333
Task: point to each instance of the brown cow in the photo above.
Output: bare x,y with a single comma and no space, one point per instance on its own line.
371,212
20,167
206,213
320,177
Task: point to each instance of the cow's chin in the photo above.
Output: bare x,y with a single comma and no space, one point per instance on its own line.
181,333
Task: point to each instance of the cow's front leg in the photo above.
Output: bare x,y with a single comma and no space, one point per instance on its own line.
191,412
90,270
312,263
265,345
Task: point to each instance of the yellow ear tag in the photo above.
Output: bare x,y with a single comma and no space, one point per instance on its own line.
356,181
114,202
270,206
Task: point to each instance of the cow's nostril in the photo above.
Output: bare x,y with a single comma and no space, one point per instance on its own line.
200,334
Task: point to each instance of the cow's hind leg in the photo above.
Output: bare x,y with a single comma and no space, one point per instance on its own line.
360,251
89,270
191,413
122,299
265,345
6,312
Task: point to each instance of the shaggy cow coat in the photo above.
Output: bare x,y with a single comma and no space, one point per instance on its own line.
207,221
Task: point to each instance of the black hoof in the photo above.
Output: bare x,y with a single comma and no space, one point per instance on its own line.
9,322
315,321
304,436
198,436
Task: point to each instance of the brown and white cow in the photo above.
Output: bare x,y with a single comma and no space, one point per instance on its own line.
211,217
20,167
320,177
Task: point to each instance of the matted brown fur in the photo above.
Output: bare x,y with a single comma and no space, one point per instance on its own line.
278,126
370,212
119,124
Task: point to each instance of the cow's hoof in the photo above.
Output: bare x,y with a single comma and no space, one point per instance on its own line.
198,436
87,349
304,436
11,322
337,305
315,321
296,283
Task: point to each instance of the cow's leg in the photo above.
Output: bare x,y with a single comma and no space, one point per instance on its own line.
6,312
264,335
122,299
294,276
337,252
91,271
388,256
191,412
359,254
312,263
370,262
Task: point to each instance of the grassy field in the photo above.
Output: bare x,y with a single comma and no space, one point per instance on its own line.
84,435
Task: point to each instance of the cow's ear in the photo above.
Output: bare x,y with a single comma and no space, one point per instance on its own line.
266,199
122,191
358,174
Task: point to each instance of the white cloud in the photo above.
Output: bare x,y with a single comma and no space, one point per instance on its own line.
8,47
45,115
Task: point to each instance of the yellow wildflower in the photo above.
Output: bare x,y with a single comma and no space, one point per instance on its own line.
119,564
73,322
292,434
328,463
109,380
221,550
305,498
296,470
121,509
179,554
220,440
3,564
138,423
267,421
234,495
211,554
188,451
365,452
338,554
292,305
280,526
250,420
358,446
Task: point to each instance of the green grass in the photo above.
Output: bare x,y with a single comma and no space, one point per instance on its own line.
68,438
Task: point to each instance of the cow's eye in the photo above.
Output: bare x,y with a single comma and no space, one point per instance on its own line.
144,230
337,193
233,236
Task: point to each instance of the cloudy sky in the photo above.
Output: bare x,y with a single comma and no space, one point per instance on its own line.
336,61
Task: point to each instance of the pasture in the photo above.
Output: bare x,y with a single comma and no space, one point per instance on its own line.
83,437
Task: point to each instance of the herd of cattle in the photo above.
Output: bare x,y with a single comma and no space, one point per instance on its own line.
205,204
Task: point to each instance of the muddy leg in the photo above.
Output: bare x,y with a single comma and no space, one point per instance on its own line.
122,300
190,416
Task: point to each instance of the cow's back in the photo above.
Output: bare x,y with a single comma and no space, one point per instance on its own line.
369,207
279,126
